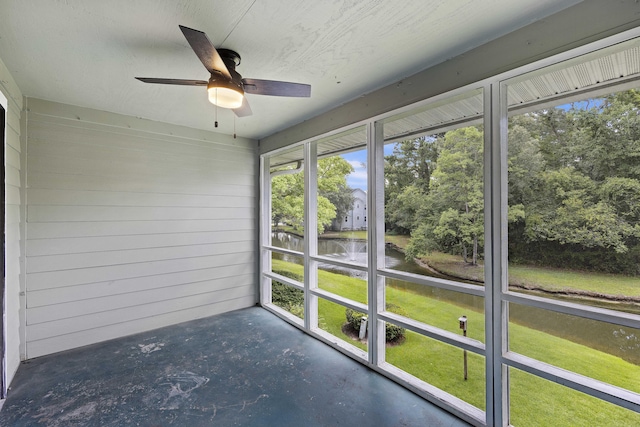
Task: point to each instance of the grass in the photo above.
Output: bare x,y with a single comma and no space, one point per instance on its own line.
550,279
289,229
399,240
557,279
354,234
534,401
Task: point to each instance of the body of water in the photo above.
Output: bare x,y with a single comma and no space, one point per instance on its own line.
610,338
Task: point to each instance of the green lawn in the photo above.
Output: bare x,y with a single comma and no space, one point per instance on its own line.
552,279
355,234
534,402
557,279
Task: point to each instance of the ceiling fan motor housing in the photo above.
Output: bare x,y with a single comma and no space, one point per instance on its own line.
231,59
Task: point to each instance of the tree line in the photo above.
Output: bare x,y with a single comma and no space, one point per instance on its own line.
573,188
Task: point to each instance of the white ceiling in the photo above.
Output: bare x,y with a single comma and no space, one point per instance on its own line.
87,52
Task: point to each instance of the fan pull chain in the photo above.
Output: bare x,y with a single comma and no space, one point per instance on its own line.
234,126
216,114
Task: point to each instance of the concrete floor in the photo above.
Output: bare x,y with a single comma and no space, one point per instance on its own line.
245,368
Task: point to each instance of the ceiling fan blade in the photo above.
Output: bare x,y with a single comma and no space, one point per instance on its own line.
205,50
276,88
244,110
181,82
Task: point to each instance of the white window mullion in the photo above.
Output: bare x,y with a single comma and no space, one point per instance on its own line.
265,230
310,235
496,315
375,239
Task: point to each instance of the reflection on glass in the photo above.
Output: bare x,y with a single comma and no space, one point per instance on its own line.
437,307
574,193
600,350
345,282
332,318
440,365
537,402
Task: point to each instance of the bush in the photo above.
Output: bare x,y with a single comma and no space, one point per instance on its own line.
354,318
287,297
392,332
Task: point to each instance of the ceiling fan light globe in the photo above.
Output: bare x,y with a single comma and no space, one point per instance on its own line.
225,97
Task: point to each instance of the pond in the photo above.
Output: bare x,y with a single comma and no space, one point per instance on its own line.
613,339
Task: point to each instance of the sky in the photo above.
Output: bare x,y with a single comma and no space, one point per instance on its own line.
358,159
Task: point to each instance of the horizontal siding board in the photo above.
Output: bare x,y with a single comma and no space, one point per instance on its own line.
11,157
50,230
124,314
129,225
13,312
12,176
54,279
113,198
61,246
83,292
77,154
108,166
13,122
50,313
68,341
83,118
39,213
12,217
12,195
65,136
39,264
13,138
163,185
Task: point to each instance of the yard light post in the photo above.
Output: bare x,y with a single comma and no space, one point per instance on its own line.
463,326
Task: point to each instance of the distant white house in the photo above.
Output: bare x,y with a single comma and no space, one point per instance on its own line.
356,218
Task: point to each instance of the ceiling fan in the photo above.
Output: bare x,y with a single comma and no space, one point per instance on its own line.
226,87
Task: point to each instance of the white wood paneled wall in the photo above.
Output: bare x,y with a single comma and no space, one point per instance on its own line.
132,225
13,230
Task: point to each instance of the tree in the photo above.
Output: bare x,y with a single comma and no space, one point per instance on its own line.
407,173
342,199
573,214
455,202
404,210
287,193
606,139
286,198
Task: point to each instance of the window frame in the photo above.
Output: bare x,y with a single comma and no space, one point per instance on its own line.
498,357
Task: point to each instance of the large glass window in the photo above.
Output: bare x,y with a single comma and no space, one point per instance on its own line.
573,220
434,229
287,199
487,258
283,233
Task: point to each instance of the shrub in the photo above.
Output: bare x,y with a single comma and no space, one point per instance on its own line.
287,297
392,332
354,318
